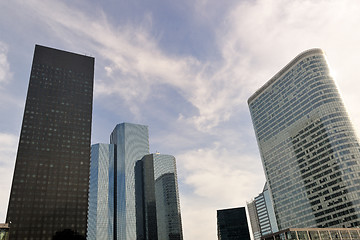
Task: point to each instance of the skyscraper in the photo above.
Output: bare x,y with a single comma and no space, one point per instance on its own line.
167,198
262,215
254,220
101,193
133,194
157,198
50,185
232,224
308,146
131,143
146,220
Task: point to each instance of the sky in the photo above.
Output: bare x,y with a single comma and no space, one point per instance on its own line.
183,68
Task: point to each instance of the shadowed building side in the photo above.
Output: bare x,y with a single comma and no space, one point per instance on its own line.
51,178
232,224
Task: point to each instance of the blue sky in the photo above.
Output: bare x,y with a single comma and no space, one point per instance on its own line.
185,69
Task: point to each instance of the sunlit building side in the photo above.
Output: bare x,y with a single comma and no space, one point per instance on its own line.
101,212
309,149
131,143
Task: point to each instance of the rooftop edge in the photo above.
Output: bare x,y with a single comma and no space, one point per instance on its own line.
284,69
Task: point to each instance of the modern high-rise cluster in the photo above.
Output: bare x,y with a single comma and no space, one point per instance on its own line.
308,146
133,194
58,193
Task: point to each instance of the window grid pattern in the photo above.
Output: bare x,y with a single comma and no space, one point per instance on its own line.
50,184
167,198
131,143
308,146
101,193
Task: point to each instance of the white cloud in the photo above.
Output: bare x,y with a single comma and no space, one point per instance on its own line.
8,143
5,74
255,38
214,178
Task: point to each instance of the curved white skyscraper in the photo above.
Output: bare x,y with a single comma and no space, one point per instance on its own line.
309,149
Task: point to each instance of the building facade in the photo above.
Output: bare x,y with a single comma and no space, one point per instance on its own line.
167,197
157,198
308,146
131,142
133,194
254,220
315,233
265,212
146,219
51,178
232,224
261,214
101,211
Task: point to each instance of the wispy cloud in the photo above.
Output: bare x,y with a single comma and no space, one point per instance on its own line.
253,40
8,144
218,179
5,73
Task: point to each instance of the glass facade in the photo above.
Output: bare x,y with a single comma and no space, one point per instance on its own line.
262,215
131,143
315,234
167,198
232,224
51,178
265,211
157,198
146,220
309,149
101,193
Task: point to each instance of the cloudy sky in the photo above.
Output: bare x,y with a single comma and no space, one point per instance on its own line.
184,68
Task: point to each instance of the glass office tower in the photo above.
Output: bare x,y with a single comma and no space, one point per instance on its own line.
308,146
265,211
101,193
146,220
167,198
131,144
51,178
157,198
262,215
232,224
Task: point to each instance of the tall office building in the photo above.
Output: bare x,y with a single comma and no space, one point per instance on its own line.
308,146
101,193
265,212
254,220
167,198
232,224
131,143
133,194
157,198
262,215
146,219
51,178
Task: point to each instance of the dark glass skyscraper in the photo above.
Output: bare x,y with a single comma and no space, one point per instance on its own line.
232,224
49,192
